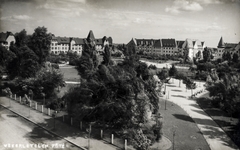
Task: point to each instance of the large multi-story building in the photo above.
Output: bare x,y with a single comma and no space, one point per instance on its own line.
193,46
223,47
6,39
77,45
166,46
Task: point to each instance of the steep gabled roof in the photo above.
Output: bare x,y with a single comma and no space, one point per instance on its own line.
221,43
168,43
90,35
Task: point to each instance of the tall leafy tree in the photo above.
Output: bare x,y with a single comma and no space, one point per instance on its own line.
106,56
207,54
235,58
22,38
24,65
172,70
227,56
40,42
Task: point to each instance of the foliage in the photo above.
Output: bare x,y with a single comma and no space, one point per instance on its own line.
227,56
226,93
139,140
198,55
40,42
106,56
22,38
24,65
6,56
163,74
207,53
120,96
173,71
152,67
73,58
235,58
205,66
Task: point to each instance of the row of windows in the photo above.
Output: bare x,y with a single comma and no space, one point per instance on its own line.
170,48
56,44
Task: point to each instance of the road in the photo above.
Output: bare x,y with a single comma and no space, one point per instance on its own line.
18,133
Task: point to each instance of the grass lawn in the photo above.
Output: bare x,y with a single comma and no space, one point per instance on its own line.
225,121
188,135
70,73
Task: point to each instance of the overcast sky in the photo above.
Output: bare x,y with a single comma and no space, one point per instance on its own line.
206,20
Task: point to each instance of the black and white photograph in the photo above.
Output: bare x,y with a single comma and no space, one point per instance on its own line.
119,74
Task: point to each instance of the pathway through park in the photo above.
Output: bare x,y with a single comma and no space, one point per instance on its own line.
214,135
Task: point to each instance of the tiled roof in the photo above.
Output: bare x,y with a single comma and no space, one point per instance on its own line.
98,41
79,41
145,42
180,44
157,43
63,40
4,36
230,45
168,43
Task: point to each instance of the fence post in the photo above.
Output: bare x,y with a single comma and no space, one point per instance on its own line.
112,139
15,97
36,105
49,111
11,96
101,134
42,108
71,121
20,99
125,144
30,103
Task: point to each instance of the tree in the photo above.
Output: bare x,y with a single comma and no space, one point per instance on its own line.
5,56
189,84
172,71
235,58
24,65
207,54
22,38
106,56
163,74
40,42
227,56
198,55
